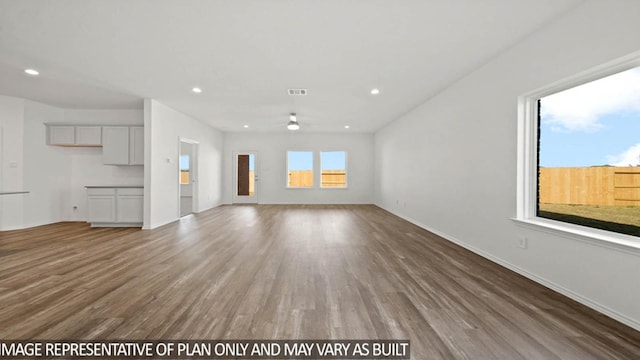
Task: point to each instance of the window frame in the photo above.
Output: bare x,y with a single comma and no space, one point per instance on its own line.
527,161
312,169
346,170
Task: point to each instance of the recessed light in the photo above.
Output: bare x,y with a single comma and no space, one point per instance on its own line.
347,126
33,72
196,90
245,126
375,91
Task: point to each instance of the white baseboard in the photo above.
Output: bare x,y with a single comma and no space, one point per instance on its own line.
540,280
33,224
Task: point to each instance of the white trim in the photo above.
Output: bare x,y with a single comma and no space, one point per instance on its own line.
620,242
33,224
527,158
540,280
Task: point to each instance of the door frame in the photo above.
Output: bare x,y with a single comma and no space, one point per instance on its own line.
235,199
193,172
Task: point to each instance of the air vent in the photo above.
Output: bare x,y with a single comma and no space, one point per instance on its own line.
297,92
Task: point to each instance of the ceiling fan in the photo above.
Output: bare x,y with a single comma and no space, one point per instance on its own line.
293,124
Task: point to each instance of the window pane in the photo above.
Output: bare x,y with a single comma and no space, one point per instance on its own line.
184,169
589,154
334,169
300,169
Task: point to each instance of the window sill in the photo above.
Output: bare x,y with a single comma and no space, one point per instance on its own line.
621,242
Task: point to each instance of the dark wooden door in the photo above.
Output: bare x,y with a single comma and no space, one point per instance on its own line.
243,175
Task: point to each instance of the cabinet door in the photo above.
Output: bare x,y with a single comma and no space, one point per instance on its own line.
136,145
115,145
130,208
61,135
102,208
89,135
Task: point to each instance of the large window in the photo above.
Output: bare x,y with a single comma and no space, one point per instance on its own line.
333,169
300,169
588,154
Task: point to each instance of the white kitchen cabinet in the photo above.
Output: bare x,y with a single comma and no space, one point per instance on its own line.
136,145
102,205
115,145
61,135
123,145
88,135
74,135
129,205
120,206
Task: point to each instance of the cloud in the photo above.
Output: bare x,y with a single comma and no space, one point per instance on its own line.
580,108
631,156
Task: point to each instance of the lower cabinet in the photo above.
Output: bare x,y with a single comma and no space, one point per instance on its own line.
115,206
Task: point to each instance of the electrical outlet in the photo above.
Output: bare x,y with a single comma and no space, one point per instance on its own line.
522,242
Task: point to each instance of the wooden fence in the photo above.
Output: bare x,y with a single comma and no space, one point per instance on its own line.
602,185
329,178
184,176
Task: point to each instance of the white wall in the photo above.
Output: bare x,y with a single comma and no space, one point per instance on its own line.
452,161
163,128
272,173
47,169
11,162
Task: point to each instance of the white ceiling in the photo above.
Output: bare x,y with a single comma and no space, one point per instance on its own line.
245,54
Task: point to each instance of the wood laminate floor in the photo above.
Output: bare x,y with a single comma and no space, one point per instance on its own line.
290,272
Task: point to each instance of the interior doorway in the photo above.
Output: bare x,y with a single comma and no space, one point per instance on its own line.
245,169
188,169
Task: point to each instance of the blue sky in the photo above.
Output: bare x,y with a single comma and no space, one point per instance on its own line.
597,123
184,162
330,160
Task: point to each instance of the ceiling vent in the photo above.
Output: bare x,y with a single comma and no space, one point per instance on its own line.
297,92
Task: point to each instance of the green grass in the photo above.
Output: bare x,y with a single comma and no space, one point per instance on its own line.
621,219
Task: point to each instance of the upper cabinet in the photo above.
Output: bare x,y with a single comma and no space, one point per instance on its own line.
123,145
136,145
88,135
73,135
115,145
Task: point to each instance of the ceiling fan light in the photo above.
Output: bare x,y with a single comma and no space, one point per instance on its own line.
293,125
292,117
